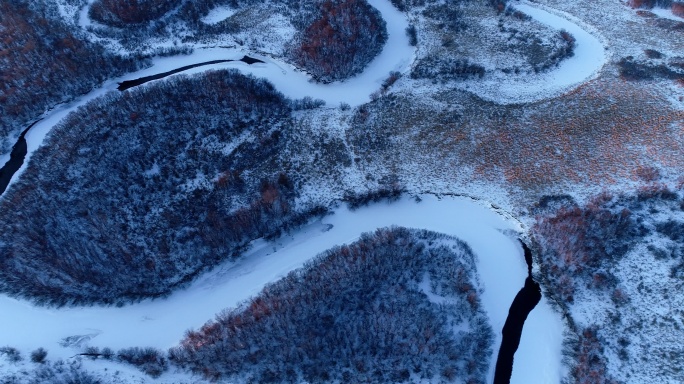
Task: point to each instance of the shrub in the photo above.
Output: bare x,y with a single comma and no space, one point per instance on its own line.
12,354
678,9
39,355
412,34
149,360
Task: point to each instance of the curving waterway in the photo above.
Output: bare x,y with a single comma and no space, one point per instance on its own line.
161,323
501,260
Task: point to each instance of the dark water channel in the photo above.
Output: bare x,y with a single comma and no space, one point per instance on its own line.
124,85
524,302
17,157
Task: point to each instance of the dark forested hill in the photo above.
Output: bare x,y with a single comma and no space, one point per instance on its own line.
137,192
397,304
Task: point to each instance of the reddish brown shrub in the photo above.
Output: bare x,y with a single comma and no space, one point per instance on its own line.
678,9
591,365
346,36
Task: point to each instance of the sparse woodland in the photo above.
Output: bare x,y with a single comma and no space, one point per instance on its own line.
397,304
138,192
607,264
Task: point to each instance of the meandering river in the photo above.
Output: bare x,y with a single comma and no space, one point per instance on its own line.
501,262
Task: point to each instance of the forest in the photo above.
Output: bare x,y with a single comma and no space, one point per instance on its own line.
395,305
119,13
42,63
340,42
138,192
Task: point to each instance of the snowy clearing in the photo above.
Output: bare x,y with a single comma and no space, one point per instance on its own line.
666,13
218,14
162,323
588,59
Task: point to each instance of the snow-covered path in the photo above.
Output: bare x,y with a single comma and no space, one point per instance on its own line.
162,323
585,64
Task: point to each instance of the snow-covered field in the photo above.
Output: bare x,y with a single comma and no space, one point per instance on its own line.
161,323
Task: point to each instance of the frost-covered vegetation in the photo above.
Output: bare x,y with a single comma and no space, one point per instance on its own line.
462,39
57,372
341,41
395,305
331,40
42,63
138,192
615,267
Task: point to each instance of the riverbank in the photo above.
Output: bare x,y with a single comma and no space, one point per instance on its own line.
162,323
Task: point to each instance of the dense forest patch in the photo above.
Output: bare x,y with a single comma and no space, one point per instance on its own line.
120,13
43,63
341,41
394,305
136,193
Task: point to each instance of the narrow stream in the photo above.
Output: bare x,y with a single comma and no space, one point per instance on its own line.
19,151
124,85
525,301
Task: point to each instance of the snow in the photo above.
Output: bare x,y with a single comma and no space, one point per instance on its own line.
162,323
584,65
218,14
666,13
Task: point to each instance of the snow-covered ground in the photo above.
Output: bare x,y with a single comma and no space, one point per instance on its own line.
584,65
666,13
162,323
218,14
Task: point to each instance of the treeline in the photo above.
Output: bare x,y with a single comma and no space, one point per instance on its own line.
42,63
120,13
397,304
138,192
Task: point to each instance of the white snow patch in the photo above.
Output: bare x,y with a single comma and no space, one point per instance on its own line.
152,171
218,14
666,13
